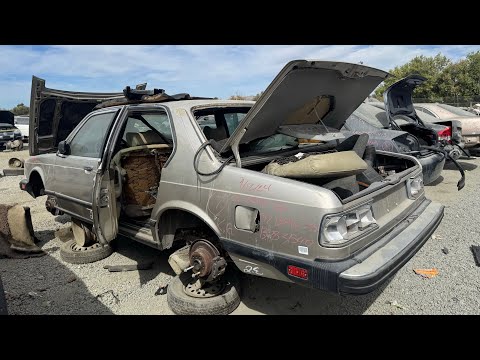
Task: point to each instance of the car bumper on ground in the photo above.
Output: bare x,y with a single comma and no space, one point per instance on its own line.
367,269
432,166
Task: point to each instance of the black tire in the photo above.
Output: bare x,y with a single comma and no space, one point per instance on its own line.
72,253
182,304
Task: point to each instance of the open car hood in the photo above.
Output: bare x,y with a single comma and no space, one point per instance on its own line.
398,97
55,113
315,94
7,117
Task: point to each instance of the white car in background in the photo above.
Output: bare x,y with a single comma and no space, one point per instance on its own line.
22,123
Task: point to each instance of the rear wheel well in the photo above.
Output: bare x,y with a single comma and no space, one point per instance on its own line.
178,224
36,183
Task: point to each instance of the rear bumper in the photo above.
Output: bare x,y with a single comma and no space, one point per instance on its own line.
471,141
432,166
383,263
367,269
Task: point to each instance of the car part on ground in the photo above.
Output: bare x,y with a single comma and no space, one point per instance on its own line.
218,298
75,254
17,238
16,163
134,267
15,145
12,172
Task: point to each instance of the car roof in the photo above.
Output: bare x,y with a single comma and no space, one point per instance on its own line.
183,104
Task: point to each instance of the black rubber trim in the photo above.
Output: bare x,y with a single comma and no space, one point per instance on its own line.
324,274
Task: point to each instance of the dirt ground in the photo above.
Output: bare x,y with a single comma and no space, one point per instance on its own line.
47,285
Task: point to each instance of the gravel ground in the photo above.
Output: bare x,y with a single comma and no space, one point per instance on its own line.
46,285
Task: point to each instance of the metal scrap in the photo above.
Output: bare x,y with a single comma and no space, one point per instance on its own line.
119,268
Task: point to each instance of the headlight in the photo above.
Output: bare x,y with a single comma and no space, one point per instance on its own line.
414,187
338,229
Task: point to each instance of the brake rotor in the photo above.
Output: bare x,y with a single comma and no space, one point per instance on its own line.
202,254
206,291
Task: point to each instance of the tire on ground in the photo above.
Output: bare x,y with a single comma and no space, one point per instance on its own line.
182,304
74,254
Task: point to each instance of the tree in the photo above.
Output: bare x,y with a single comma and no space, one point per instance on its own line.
430,67
20,109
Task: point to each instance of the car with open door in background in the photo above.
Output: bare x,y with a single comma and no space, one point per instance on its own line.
269,188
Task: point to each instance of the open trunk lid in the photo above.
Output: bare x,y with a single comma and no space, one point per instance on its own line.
55,113
7,117
310,95
398,98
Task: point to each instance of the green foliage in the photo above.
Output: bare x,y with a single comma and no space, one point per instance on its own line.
444,77
20,109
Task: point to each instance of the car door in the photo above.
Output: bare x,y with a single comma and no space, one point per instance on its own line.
136,127
75,171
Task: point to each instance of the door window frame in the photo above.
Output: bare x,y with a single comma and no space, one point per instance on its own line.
118,128
72,135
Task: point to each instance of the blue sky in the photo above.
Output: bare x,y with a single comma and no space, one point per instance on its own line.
201,70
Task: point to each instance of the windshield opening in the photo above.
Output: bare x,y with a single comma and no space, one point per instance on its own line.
219,123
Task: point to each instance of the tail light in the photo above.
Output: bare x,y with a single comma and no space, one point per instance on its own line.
445,134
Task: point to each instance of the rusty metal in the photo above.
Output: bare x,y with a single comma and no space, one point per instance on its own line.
201,256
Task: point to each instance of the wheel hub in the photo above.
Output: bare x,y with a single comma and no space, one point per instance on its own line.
75,247
202,254
206,291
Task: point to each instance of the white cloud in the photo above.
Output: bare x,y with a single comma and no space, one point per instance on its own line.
200,70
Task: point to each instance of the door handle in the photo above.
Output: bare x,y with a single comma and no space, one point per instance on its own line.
88,168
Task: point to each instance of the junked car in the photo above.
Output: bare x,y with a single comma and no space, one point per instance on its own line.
9,133
247,192
400,129
470,122
21,122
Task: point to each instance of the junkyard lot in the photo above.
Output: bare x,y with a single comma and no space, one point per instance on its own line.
47,285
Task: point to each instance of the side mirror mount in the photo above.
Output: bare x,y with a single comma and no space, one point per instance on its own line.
63,148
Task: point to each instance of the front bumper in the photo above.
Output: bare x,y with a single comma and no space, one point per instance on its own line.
6,139
367,269
26,186
432,166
